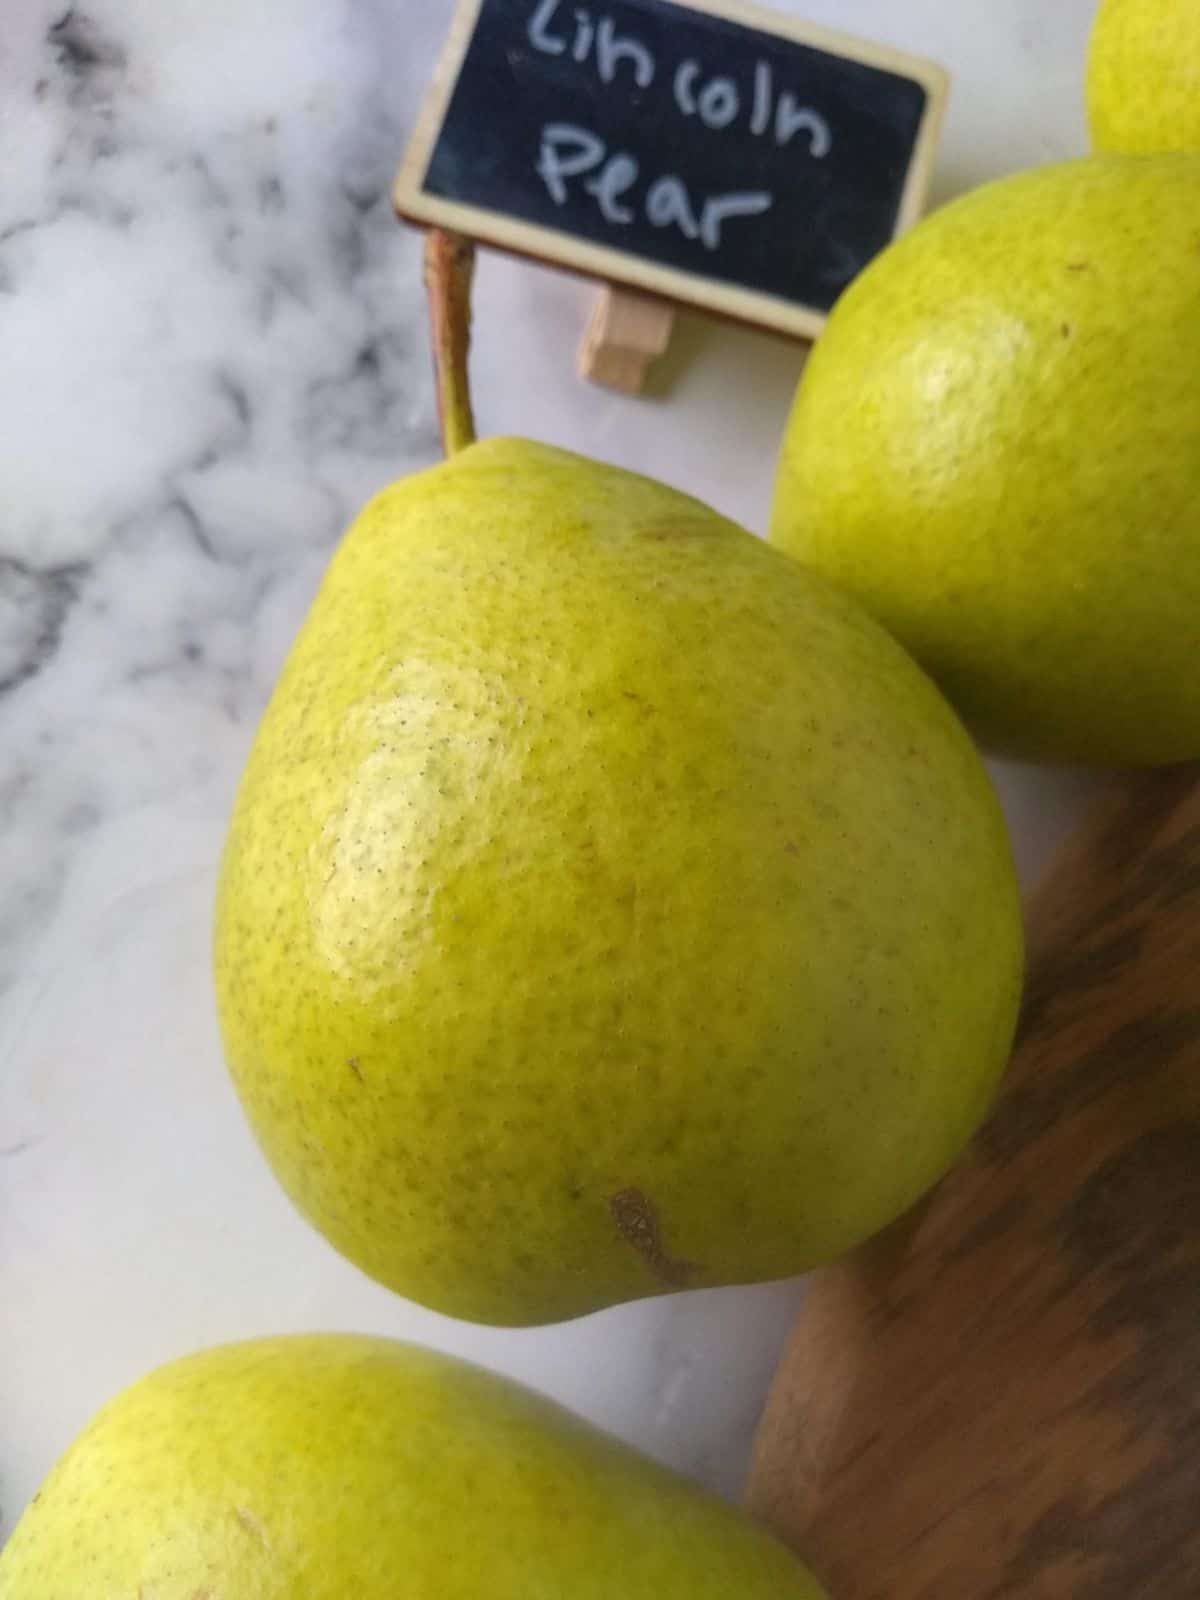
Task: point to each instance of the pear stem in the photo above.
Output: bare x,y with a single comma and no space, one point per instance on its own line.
449,268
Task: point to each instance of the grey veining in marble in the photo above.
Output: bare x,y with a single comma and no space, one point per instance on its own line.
213,351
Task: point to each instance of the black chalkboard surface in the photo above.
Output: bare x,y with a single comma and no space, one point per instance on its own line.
715,153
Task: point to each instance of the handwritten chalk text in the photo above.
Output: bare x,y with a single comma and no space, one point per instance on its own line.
611,49
570,154
719,101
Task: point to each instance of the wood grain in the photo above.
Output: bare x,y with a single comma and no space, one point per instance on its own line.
1001,1397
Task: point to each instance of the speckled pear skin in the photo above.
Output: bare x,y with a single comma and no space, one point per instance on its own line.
337,1467
1143,85
609,907
996,449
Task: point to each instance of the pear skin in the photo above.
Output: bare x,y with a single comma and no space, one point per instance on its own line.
338,1467
610,907
995,448
1143,84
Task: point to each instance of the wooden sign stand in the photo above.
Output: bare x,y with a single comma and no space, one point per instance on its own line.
626,334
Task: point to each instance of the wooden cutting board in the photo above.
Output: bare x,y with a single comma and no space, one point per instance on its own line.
1001,1397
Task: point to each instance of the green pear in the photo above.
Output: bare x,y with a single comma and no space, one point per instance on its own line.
1143,86
338,1467
996,448
609,907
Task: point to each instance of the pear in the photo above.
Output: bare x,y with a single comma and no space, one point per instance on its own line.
340,1467
1143,86
609,907
996,448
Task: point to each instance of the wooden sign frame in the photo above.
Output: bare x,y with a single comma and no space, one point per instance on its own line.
755,307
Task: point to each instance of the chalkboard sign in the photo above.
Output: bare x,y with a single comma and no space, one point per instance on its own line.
716,154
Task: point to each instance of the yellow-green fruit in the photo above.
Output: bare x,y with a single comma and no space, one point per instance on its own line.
609,907
337,1467
1143,84
996,448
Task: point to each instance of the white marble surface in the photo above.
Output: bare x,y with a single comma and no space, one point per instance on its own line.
211,351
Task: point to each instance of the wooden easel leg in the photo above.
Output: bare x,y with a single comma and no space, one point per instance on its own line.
626,332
